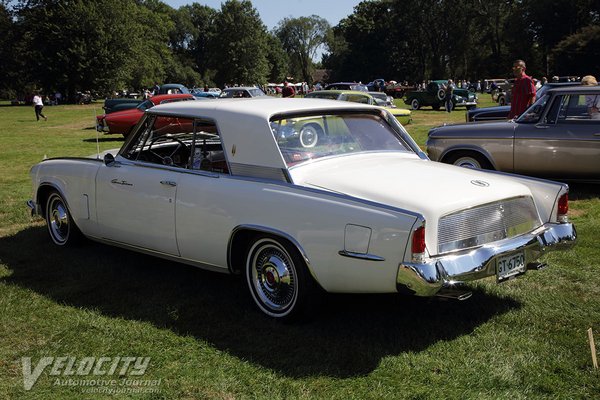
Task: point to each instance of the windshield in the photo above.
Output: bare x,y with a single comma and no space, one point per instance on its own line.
307,138
145,105
534,112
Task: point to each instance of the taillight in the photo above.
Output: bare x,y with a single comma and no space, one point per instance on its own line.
563,208
418,244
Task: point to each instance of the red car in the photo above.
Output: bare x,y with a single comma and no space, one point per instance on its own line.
123,121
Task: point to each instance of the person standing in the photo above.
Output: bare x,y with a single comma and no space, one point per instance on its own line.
38,105
287,90
523,90
448,96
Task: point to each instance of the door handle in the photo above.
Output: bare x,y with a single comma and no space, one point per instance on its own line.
597,134
121,182
169,183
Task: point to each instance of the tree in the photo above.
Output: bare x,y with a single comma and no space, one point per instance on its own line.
301,38
579,53
239,48
277,58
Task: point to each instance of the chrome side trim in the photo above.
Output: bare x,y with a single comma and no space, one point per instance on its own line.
368,257
428,278
270,173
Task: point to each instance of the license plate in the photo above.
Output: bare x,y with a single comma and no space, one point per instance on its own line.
510,266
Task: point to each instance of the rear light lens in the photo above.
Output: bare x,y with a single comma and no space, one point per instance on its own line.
418,244
563,208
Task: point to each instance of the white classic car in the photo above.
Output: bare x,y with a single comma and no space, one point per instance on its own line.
239,186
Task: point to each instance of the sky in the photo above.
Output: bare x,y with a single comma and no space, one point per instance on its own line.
273,11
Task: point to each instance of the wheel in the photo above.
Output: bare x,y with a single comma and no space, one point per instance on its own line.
61,227
469,159
414,104
502,100
309,135
278,278
441,94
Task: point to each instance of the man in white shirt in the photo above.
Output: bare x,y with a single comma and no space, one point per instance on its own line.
38,104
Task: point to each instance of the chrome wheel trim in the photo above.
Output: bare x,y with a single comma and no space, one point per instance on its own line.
272,277
467,162
58,220
309,136
414,104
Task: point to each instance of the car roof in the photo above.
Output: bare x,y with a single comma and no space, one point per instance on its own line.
240,88
244,123
341,91
575,89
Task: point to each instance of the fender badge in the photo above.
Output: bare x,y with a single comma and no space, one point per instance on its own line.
480,183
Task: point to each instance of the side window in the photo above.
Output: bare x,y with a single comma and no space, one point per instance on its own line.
178,142
573,108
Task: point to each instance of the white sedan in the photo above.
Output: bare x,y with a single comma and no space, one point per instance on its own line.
239,186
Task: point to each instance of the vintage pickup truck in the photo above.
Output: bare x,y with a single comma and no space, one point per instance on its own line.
434,96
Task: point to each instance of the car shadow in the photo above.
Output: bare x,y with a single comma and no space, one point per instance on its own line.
349,335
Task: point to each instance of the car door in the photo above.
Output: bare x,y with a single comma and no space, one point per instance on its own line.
136,194
564,144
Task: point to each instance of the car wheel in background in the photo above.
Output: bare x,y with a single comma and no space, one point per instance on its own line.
441,94
309,135
278,278
415,104
61,227
468,159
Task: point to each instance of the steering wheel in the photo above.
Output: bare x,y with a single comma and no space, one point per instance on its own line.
166,160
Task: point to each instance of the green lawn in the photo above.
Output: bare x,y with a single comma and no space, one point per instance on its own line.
524,339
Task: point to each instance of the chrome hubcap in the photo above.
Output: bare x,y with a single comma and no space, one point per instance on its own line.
308,137
58,220
273,275
467,162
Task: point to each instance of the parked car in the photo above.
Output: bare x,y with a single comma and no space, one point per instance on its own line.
241,92
492,84
402,115
555,138
434,96
201,94
216,185
123,121
173,88
500,113
114,105
347,86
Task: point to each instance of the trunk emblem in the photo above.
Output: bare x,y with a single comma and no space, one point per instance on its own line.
480,183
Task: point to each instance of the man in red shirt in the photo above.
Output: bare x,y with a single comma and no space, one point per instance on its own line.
287,90
523,90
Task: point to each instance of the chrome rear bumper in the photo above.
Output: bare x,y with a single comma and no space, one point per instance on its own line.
436,273
33,207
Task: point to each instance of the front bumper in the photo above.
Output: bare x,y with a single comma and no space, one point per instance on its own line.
437,273
34,207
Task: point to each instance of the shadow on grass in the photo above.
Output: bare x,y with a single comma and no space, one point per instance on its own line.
348,337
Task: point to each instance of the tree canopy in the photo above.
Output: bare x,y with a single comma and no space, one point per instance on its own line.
108,45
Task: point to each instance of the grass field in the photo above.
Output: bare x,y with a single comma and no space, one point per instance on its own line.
524,339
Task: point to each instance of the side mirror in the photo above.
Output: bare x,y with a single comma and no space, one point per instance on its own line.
109,160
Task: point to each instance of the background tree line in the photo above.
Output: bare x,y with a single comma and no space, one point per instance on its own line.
107,45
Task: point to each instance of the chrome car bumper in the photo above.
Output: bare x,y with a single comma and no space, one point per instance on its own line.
102,128
437,273
35,210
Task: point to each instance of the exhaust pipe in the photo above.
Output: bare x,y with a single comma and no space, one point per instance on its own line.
454,293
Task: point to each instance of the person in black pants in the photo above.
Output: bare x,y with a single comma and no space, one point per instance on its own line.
38,103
